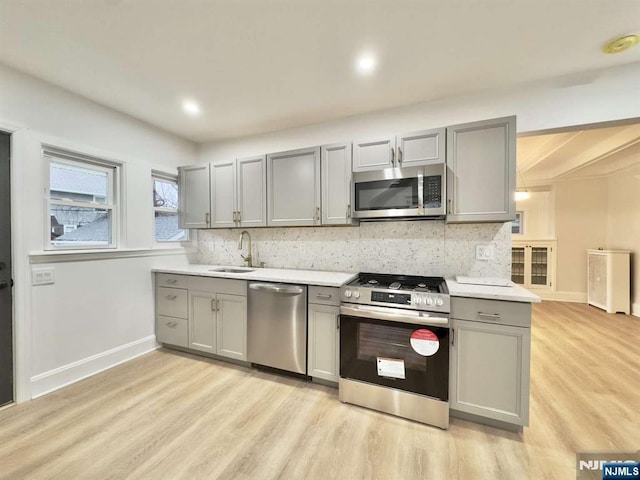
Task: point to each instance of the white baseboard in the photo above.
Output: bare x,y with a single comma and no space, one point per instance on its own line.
575,297
57,378
635,309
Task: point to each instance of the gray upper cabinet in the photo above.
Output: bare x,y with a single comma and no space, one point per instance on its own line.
336,184
238,193
223,194
481,171
373,154
407,149
252,192
193,210
421,148
293,188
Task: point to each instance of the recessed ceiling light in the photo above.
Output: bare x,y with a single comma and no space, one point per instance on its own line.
620,44
191,108
366,64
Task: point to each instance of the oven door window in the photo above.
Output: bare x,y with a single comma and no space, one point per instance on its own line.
382,353
387,194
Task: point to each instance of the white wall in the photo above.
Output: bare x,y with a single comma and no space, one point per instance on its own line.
98,312
539,216
623,223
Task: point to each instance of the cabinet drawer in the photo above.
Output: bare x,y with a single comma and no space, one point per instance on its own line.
171,280
324,295
172,331
517,314
218,285
172,302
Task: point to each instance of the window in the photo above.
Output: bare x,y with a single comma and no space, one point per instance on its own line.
517,226
165,209
82,201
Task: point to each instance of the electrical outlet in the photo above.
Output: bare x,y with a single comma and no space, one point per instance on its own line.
43,276
484,252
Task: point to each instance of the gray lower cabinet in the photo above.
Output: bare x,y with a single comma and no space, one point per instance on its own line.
411,149
238,193
481,171
208,314
335,172
194,203
324,333
490,360
293,188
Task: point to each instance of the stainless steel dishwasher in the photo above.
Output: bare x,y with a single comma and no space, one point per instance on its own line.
277,326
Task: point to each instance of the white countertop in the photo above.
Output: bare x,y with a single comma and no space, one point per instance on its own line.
307,277
512,293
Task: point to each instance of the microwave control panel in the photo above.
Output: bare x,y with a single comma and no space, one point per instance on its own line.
433,191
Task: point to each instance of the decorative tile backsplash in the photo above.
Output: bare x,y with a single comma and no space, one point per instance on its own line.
411,248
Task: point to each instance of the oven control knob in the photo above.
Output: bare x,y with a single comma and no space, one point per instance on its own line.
438,302
417,300
356,294
347,293
428,301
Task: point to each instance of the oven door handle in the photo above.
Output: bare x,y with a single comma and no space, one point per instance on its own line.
393,315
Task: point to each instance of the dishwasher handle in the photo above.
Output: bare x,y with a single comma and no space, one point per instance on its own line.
277,288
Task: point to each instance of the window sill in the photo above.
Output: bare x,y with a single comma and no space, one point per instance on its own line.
58,256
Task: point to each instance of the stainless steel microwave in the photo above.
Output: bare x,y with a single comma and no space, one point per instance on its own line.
408,192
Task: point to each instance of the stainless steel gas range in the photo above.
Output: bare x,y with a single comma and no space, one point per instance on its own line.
394,346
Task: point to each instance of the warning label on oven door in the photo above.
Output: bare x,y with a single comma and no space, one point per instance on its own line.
424,342
391,367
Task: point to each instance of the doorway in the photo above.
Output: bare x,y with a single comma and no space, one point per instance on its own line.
6,294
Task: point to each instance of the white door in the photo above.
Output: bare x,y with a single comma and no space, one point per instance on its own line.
252,191
294,188
335,171
232,326
202,321
223,194
193,210
374,154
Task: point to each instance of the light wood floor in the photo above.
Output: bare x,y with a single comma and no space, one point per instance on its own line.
168,415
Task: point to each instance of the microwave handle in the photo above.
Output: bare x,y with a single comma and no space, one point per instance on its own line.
420,194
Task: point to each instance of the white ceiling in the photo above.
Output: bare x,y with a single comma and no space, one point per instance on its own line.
544,159
258,66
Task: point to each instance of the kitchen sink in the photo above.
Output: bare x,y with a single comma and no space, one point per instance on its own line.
231,270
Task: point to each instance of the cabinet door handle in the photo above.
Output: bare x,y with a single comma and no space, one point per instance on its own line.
235,216
449,211
399,156
489,315
213,305
393,157
172,324
217,305
171,297
207,218
338,323
453,337
172,281
348,211
324,295
239,216
316,217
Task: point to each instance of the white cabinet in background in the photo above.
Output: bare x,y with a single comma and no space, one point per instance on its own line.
481,171
202,321
238,193
293,188
404,150
533,264
335,172
608,285
490,359
324,333
194,205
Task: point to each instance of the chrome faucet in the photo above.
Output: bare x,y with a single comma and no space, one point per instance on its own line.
247,259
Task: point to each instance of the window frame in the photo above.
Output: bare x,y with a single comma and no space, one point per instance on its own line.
520,214
172,178
113,200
